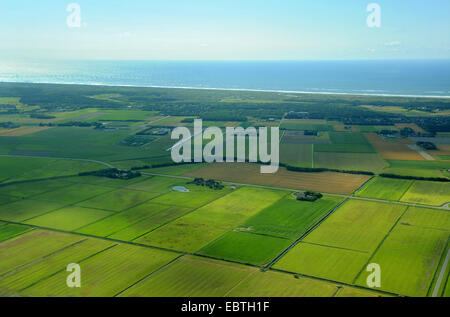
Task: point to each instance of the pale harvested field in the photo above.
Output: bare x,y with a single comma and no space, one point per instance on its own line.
393,150
328,182
22,131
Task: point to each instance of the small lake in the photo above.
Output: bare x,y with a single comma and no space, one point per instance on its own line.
180,189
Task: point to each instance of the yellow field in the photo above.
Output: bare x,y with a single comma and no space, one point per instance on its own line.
328,182
393,150
22,131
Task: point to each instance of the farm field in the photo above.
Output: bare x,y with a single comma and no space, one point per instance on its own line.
323,261
26,276
8,231
297,154
289,218
195,230
346,142
350,161
68,218
14,169
31,246
25,209
106,273
246,247
409,257
118,200
328,182
385,188
428,193
393,150
357,225
191,277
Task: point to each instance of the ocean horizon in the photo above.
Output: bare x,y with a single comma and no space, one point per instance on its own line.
413,78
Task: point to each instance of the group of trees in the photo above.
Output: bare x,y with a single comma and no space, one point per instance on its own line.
112,173
207,183
308,196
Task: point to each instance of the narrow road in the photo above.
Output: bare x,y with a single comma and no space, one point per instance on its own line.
60,158
441,275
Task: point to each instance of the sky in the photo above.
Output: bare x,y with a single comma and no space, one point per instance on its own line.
224,30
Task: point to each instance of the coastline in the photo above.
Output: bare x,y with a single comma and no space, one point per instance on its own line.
239,89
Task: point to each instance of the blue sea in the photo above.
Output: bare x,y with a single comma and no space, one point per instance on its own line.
406,77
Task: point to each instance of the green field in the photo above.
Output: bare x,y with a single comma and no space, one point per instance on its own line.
358,225
198,228
165,215
322,261
14,169
29,275
297,154
122,220
8,231
349,161
30,247
105,274
191,277
69,218
428,193
427,218
346,142
25,209
246,247
288,217
273,284
196,197
408,259
417,168
73,194
118,200
385,188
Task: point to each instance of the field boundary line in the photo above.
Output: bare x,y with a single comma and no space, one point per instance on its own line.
8,273
60,158
338,289
68,205
63,269
409,187
99,237
362,186
113,213
379,245
335,282
31,229
306,233
239,283
441,273
334,247
161,268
